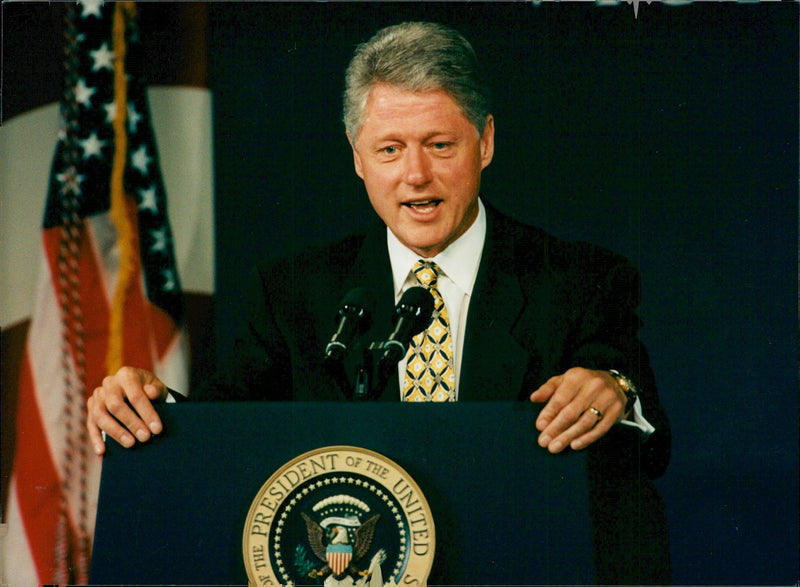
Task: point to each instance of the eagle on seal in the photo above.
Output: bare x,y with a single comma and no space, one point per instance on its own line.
333,547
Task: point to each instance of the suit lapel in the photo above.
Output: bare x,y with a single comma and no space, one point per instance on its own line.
494,363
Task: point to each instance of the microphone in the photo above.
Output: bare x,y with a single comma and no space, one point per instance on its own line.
412,316
354,315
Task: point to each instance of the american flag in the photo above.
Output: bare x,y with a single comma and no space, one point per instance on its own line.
109,292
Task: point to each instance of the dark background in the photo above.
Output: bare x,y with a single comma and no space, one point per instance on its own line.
671,138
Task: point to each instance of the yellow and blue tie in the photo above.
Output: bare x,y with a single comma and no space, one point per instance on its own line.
430,375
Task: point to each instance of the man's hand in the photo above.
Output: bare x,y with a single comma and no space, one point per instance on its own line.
122,408
582,405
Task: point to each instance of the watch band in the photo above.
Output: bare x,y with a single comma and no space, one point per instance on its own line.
627,386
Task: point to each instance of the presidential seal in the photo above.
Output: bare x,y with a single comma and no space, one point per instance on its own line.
339,516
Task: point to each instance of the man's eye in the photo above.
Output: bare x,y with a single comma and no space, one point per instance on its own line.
389,150
441,146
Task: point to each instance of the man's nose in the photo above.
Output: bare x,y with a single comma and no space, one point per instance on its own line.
417,167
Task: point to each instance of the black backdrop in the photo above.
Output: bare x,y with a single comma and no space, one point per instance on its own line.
671,137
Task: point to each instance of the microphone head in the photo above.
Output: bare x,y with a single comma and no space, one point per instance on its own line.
353,317
412,315
416,304
358,303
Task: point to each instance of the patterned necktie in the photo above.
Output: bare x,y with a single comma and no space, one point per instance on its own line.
430,375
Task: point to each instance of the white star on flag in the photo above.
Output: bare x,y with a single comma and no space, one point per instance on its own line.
83,93
92,147
90,7
103,58
147,199
159,240
140,159
71,179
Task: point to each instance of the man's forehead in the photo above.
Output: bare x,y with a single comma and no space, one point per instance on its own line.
389,106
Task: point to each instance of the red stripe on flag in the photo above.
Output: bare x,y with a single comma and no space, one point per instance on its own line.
37,482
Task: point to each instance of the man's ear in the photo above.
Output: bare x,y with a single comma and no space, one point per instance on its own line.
487,142
356,157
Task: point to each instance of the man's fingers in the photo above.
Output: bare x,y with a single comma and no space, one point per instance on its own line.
116,399
146,420
608,417
95,435
547,393
591,436
122,408
589,426
568,396
592,424
101,420
115,430
140,388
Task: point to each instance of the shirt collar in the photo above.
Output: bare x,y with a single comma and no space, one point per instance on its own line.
459,261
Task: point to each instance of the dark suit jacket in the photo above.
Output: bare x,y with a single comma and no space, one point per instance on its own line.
540,305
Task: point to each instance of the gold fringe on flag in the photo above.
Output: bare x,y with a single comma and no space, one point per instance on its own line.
124,12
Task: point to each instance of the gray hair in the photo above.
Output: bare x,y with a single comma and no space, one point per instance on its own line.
416,56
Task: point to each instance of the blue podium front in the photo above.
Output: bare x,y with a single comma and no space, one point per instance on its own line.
505,511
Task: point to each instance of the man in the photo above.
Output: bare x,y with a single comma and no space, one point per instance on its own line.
525,315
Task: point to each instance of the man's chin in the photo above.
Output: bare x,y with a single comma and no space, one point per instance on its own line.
426,247
425,239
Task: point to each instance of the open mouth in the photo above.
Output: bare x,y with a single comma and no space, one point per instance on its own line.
423,206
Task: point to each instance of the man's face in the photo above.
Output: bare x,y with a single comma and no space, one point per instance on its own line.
421,161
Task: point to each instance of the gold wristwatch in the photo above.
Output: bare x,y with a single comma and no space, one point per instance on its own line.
627,386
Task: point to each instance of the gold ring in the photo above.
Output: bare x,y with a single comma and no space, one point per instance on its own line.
597,413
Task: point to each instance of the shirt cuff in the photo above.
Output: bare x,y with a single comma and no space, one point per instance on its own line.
638,421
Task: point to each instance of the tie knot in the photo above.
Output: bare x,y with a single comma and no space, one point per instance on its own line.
427,272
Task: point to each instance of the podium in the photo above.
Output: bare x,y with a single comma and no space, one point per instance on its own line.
172,511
